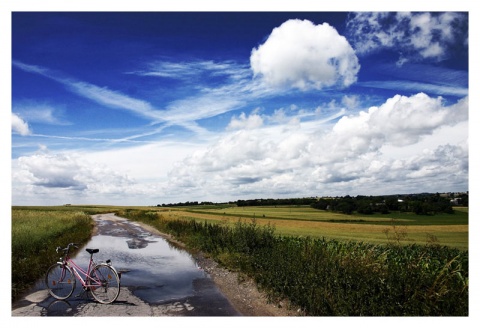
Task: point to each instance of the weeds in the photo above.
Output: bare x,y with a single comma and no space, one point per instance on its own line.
35,234
399,233
332,278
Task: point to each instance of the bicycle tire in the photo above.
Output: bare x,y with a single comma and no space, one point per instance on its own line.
60,281
104,283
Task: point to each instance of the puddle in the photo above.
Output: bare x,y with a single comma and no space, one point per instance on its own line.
154,270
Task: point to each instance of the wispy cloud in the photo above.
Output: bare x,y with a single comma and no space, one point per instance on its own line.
105,96
40,113
32,68
206,103
101,95
417,86
194,71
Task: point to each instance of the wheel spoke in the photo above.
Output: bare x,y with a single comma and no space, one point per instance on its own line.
60,281
105,284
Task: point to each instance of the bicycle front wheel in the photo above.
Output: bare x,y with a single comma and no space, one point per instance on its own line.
104,283
60,281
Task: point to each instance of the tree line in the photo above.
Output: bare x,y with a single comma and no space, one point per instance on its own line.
422,204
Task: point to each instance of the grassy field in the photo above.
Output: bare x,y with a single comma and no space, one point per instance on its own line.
36,232
404,228
328,277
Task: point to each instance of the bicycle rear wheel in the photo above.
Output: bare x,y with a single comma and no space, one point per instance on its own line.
104,283
60,281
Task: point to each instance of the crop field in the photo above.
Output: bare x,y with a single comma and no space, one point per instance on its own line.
403,228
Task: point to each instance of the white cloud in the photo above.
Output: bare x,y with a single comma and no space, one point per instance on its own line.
101,95
400,120
415,86
20,126
128,175
204,102
414,35
404,144
194,70
65,177
253,121
112,98
302,55
40,113
356,156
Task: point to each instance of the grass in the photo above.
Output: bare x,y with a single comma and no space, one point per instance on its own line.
331,277
36,232
443,229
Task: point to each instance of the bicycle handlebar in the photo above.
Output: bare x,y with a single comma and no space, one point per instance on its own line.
66,250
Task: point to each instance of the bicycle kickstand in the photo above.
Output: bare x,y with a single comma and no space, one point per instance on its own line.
83,292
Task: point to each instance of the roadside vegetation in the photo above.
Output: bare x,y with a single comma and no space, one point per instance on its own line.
330,277
36,232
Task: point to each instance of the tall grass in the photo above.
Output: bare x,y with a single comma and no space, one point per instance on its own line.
35,234
332,278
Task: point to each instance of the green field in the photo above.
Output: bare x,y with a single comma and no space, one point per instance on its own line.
328,277
36,232
405,228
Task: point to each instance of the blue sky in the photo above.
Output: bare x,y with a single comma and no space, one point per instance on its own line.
145,108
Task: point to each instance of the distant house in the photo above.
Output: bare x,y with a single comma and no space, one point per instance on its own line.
455,201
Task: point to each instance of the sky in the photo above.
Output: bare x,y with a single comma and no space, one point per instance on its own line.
151,107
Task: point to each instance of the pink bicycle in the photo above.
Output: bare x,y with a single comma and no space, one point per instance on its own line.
102,280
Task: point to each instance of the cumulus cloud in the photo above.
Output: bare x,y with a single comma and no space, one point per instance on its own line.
414,35
20,126
354,156
64,175
253,121
400,121
398,144
303,55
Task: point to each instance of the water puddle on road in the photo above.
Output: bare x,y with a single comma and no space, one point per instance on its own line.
153,269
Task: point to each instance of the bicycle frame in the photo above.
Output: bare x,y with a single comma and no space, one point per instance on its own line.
67,261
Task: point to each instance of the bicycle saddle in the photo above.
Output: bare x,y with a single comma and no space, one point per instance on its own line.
92,251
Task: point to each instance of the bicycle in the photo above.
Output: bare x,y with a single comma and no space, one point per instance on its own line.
102,280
